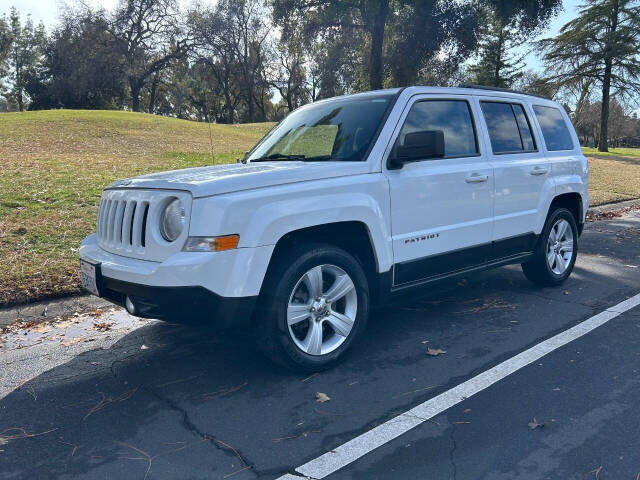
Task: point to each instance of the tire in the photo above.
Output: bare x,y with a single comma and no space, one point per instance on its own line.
291,292
552,263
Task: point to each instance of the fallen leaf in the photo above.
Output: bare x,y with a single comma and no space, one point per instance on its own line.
42,328
102,327
533,424
97,312
322,397
597,472
434,352
73,341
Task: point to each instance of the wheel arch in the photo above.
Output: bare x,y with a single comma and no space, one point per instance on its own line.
573,202
352,236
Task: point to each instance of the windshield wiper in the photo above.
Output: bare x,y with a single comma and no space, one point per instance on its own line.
279,156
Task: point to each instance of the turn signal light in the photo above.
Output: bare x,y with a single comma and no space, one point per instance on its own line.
211,244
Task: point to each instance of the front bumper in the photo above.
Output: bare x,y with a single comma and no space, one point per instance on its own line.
190,305
188,287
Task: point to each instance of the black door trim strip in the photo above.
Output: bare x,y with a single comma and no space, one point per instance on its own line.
434,267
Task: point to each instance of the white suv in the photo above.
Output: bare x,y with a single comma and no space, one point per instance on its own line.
346,202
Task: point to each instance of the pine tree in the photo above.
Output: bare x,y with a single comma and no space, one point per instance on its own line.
600,44
24,55
497,66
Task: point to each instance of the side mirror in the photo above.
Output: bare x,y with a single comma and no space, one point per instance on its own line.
418,146
243,159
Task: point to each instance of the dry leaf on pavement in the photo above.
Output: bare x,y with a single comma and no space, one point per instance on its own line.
434,352
533,424
322,397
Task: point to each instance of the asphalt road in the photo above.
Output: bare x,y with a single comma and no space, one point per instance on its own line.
192,405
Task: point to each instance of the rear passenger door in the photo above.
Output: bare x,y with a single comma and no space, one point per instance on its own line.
441,208
522,174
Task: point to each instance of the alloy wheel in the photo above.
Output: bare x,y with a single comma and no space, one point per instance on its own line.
322,309
560,247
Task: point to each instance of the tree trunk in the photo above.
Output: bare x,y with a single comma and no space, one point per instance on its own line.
377,26
606,83
603,145
135,95
20,100
153,93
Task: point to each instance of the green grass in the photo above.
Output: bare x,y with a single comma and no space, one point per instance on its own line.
614,175
613,152
54,165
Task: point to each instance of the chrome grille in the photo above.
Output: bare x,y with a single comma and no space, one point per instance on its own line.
129,219
122,223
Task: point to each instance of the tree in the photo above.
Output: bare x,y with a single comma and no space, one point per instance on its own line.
24,55
287,72
506,24
600,44
5,43
217,53
150,35
423,35
247,31
233,43
497,66
81,68
397,38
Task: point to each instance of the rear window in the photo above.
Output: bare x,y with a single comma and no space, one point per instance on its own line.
554,129
509,128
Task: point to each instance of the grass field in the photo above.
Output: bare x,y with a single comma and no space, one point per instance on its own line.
54,165
614,175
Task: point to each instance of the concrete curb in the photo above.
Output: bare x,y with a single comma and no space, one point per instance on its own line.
41,311
612,207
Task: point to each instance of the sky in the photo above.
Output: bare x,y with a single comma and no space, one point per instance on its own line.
47,12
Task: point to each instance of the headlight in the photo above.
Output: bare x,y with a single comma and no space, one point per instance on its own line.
172,220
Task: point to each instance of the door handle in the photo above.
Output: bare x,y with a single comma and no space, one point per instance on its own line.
476,178
539,171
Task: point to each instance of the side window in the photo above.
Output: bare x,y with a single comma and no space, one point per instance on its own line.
452,117
554,129
509,128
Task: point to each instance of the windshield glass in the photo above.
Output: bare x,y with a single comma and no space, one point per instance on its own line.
338,130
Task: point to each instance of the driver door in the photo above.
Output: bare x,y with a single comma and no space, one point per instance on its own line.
441,208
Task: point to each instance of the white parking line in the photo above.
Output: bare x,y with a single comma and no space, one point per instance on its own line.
361,445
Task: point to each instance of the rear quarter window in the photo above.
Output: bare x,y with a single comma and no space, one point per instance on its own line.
508,126
554,128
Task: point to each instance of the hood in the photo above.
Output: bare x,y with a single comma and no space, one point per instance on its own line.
219,179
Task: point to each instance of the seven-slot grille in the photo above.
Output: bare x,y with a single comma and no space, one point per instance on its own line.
122,223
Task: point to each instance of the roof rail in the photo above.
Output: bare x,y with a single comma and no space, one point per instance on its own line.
498,89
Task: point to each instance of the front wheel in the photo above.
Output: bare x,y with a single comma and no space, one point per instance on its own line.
314,306
555,254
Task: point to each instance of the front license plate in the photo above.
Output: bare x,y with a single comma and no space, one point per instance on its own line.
88,277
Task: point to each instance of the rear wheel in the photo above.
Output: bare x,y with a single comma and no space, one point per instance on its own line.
555,254
313,307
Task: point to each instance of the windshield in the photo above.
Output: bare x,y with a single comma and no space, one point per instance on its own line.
337,130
